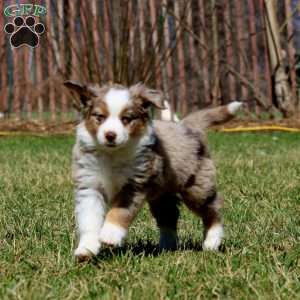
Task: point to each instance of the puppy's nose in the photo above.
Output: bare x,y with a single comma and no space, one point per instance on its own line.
110,136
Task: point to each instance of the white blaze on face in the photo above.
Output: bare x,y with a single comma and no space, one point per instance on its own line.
116,100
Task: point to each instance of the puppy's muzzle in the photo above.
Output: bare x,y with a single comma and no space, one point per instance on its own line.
111,136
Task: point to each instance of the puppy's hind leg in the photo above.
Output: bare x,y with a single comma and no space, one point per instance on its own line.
209,210
200,195
212,221
166,213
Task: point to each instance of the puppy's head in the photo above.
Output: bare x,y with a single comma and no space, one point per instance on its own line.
113,114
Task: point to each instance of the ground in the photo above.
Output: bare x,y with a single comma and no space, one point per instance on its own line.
259,175
10,126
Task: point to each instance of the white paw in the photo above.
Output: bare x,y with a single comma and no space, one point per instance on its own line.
233,107
112,234
213,238
88,246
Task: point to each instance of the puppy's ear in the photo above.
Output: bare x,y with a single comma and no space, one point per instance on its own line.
83,94
147,96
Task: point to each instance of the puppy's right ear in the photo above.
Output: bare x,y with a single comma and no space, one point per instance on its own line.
148,96
84,94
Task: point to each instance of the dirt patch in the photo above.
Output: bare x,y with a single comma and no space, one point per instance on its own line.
43,128
65,128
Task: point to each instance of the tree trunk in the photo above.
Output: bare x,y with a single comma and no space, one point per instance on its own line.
282,88
204,54
181,62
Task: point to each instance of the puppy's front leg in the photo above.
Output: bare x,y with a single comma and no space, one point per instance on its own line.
89,211
120,216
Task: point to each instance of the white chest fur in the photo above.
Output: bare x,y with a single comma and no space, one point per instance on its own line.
101,171
114,173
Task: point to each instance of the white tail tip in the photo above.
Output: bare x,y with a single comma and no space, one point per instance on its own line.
166,114
233,107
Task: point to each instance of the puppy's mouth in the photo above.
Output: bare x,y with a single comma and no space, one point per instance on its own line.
111,144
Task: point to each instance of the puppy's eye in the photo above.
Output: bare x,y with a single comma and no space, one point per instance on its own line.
126,120
99,117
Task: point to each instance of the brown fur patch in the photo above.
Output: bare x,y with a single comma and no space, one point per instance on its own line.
119,216
138,116
137,128
91,126
92,122
100,108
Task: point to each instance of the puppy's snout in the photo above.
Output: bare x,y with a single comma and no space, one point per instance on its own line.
110,136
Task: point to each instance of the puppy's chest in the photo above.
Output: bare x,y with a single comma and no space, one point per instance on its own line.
113,175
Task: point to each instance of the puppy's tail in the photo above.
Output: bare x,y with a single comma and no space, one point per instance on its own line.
167,115
205,118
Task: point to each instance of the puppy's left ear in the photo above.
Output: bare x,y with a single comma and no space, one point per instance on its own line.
84,93
148,96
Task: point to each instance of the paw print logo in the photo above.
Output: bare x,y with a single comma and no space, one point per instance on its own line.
24,32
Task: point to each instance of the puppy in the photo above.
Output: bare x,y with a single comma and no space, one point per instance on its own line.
121,159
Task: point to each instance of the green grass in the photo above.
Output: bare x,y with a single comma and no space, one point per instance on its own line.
259,176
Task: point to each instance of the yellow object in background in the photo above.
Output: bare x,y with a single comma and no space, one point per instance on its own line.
261,128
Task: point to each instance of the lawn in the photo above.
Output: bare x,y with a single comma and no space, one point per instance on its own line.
259,175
